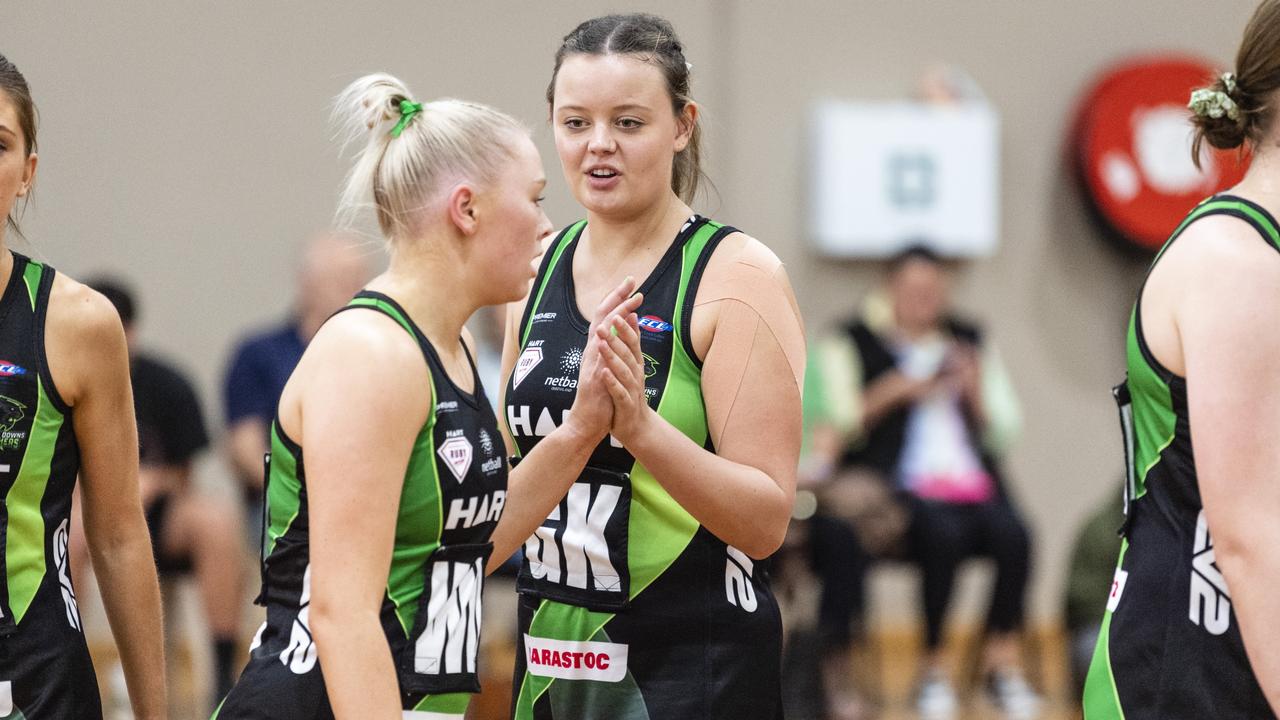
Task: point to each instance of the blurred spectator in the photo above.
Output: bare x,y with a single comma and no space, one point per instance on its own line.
191,532
1093,566
333,269
914,395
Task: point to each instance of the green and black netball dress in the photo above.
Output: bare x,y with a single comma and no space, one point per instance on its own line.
1170,645
45,672
454,491
629,608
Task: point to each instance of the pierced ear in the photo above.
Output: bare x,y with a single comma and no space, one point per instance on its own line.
462,208
686,121
28,175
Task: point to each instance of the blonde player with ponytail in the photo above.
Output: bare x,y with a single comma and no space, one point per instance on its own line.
387,476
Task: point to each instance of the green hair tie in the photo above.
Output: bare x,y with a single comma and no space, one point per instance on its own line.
407,111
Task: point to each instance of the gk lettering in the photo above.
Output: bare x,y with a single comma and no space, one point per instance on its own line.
582,541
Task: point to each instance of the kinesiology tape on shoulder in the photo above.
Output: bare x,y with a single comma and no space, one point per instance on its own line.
754,279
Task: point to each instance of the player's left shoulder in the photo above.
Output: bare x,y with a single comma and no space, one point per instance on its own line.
740,249
744,267
80,314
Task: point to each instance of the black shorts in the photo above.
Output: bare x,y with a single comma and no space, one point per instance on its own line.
157,515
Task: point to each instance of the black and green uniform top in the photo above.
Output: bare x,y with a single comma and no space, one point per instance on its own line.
45,671
630,608
1170,645
453,495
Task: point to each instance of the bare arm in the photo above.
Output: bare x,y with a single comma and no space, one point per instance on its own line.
544,475
246,445
90,367
1225,318
357,446
751,379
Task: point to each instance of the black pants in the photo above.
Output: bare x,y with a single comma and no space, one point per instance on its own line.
944,535
841,564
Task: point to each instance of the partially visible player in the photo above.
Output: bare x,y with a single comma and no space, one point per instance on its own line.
1190,629
65,410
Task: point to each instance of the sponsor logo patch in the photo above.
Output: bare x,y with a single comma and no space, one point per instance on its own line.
1117,589
8,369
527,361
655,324
469,512
600,661
650,366
456,452
11,413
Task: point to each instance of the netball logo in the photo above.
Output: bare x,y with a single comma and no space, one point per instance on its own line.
571,361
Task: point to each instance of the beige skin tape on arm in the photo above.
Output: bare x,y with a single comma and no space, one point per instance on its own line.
757,335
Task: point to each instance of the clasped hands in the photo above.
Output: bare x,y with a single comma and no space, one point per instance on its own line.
611,393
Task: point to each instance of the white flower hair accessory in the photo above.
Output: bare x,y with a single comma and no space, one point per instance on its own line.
1207,102
1229,82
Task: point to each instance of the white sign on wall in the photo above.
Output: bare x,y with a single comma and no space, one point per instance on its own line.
887,175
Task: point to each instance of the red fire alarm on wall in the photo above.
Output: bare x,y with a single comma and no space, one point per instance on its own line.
1132,147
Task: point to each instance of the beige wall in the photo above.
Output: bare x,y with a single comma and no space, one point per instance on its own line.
185,144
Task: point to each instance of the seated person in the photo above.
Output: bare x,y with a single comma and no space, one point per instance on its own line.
191,533
915,395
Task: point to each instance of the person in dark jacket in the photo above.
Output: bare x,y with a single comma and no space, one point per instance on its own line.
917,396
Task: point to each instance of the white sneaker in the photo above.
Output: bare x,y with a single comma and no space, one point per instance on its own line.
1011,694
935,698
